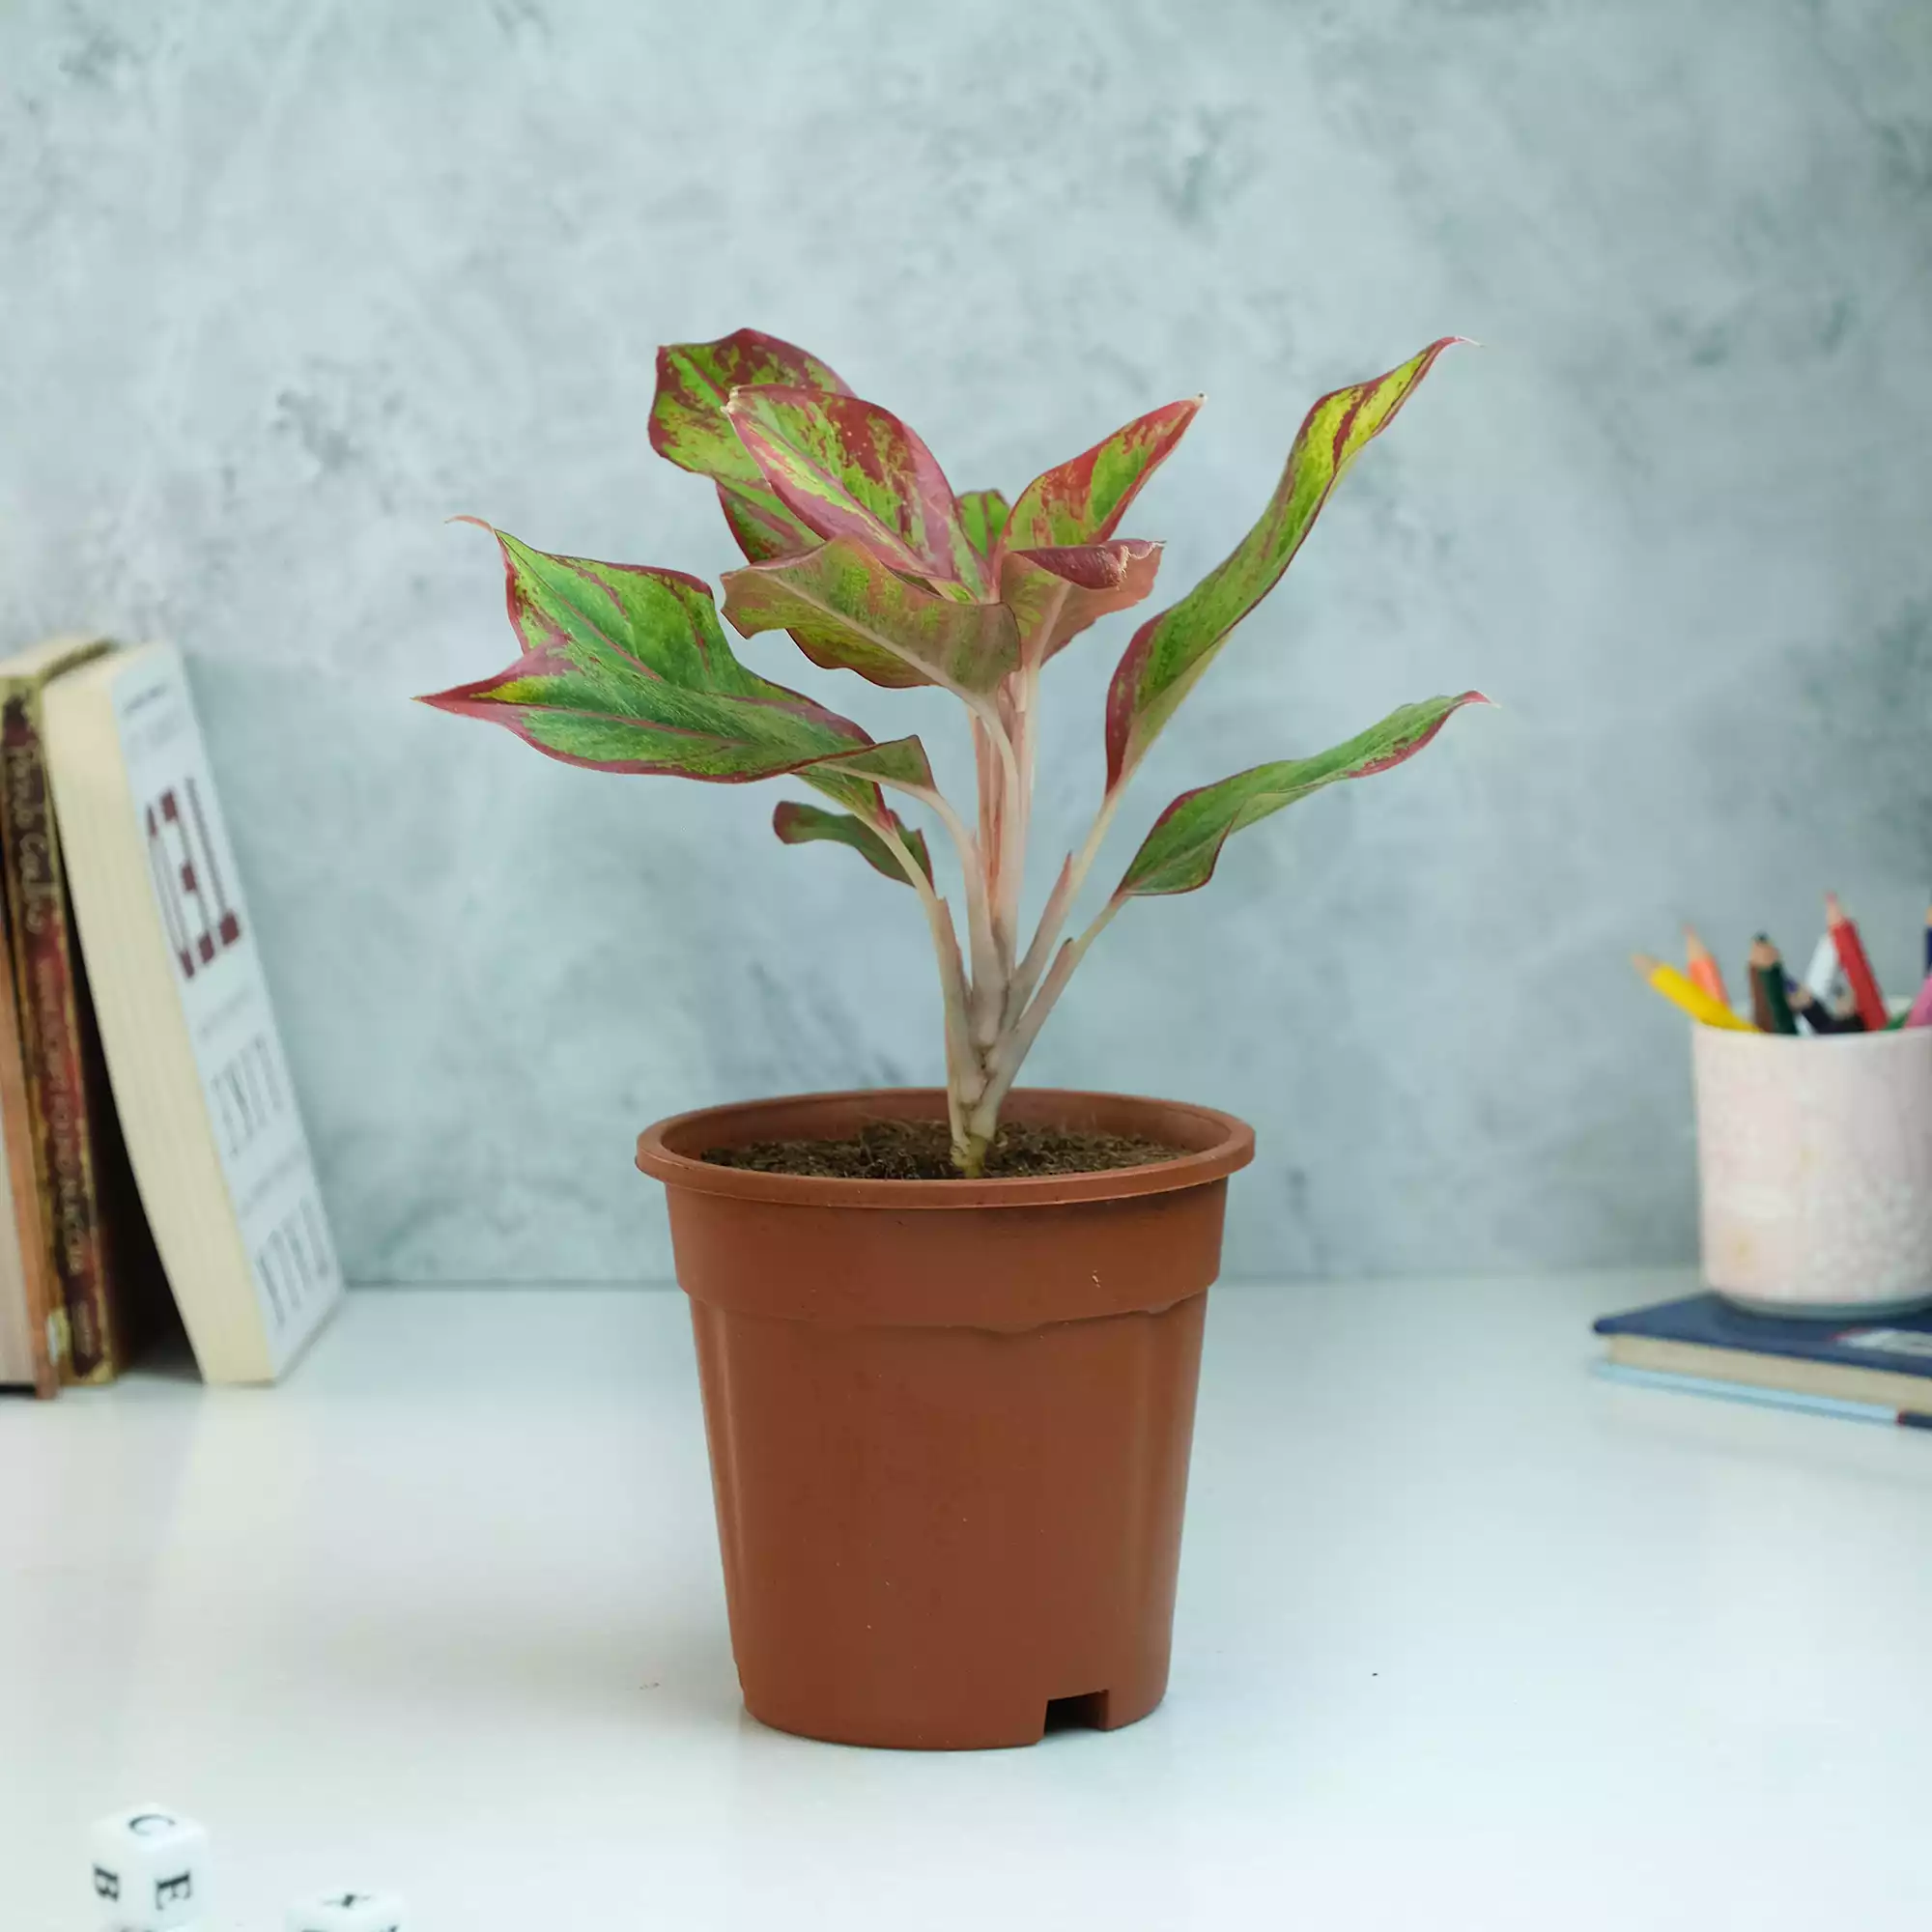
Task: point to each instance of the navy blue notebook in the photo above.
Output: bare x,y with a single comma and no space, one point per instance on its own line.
1899,1344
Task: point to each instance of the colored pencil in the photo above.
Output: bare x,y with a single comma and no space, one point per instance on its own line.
1928,938
1921,1008
1825,976
1768,1003
1701,965
1806,1005
1687,994
1760,1002
1865,994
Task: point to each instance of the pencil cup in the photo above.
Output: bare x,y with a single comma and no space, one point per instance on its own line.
1815,1168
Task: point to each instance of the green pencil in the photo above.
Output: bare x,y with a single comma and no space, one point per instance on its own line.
1767,971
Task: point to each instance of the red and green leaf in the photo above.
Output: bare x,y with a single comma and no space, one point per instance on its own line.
1056,594
694,382
1178,854
849,469
761,525
689,427
626,669
1082,502
1171,650
797,824
848,612
982,516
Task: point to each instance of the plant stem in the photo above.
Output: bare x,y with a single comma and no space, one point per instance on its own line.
1019,700
1066,890
952,983
987,991
992,813
986,712
983,1119
994,1013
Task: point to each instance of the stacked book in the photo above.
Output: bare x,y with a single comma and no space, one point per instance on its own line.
1873,1371
152,1149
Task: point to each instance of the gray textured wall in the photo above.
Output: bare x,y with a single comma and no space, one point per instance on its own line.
286,285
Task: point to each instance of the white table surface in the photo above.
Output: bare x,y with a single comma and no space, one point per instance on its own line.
1465,1638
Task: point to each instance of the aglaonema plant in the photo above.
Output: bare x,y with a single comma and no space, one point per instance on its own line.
859,548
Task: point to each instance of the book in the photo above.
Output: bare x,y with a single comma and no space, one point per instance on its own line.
32,1343
1765,1397
101,1278
1882,1364
194,1054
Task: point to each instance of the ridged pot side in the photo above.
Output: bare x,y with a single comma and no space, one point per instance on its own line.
948,1422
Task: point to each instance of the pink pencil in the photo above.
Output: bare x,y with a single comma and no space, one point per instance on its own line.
1921,1008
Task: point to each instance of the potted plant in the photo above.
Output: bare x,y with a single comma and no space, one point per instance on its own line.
948,1338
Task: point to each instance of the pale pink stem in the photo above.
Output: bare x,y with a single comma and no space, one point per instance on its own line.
1066,888
961,1065
993,798
1019,702
1016,1043
987,997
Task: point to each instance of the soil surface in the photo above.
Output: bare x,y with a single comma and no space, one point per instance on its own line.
923,1150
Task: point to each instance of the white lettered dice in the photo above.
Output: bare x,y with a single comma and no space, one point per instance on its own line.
347,1910
150,1870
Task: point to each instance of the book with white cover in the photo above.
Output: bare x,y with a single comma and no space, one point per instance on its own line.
194,1054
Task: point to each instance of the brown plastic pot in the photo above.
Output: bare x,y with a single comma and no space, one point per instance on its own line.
949,1420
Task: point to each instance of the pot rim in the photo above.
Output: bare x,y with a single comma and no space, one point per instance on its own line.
670,1150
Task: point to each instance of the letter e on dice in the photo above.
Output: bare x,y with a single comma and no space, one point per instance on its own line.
150,1870
347,1910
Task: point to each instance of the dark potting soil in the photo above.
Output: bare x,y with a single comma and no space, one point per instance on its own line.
923,1150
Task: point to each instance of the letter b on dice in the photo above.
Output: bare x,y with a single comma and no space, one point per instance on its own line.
150,1870
347,1910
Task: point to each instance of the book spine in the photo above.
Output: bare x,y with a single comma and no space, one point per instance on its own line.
46,1315
53,1045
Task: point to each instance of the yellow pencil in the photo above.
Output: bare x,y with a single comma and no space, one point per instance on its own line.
1687,994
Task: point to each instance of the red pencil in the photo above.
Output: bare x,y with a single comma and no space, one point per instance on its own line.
1866,995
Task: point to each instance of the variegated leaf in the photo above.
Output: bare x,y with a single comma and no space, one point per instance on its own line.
797,824
1056,594
1082,502
1171,650
854,778
848,612
626,669
982,516
696,381
849,469
761,525
1180,853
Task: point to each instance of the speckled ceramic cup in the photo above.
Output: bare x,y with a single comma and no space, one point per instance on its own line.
1814,1166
